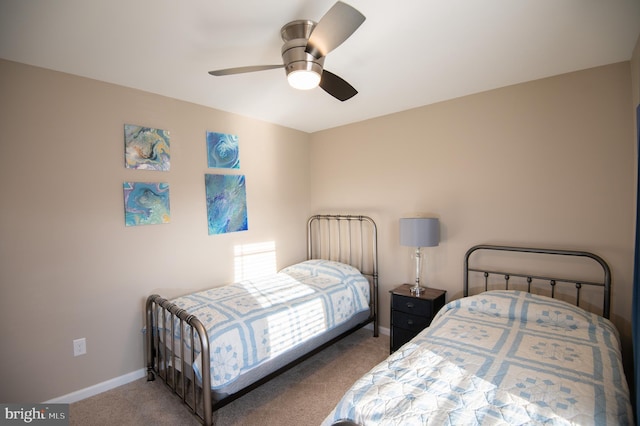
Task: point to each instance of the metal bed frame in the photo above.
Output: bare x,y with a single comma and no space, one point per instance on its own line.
515,272
345,238
532,280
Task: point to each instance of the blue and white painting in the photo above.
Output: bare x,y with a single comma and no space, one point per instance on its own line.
146,203
146,148
226,203
222,151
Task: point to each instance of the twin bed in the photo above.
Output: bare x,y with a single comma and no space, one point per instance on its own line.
213,346
510,354
503,357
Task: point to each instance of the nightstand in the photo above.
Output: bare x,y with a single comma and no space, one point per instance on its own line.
410,314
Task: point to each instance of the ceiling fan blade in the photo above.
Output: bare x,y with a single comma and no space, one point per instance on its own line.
336,86
242,70
333,29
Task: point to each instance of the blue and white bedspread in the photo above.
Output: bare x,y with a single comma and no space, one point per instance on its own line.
250,322
498,358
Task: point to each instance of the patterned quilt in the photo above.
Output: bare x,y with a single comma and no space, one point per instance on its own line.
498,358
250,322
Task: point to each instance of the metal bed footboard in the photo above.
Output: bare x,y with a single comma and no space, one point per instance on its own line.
173,367
551,281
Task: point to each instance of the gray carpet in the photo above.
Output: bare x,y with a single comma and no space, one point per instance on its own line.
304,395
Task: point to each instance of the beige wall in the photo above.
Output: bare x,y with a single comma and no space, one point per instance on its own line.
635,73
69,267
547,163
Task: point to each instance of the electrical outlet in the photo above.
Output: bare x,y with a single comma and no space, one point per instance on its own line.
79,347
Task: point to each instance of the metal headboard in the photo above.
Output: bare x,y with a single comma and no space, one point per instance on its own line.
552,281
348,239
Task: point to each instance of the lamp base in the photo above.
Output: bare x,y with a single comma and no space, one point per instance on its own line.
417,290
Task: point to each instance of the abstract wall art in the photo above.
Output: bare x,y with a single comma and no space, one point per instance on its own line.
226,203
146,203
222,151
146,148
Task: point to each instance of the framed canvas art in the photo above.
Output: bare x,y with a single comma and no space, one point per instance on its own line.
146,148
146,203
222,151
226,203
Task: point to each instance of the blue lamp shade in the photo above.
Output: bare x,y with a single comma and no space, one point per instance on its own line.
419,232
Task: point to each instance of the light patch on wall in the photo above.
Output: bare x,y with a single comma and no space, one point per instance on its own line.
254,260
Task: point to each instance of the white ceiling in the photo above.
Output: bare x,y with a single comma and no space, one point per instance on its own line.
408,53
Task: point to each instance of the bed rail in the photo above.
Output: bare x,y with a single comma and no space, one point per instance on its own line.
348,239
552,281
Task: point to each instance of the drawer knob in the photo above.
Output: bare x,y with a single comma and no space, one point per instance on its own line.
410,322
409,305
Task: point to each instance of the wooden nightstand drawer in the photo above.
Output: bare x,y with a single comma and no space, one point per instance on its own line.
410,314
410,322
411,305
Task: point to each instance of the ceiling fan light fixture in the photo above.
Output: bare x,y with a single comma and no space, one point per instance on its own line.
306,44
303,72
303,79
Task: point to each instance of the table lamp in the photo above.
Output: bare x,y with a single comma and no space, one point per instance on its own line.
419,232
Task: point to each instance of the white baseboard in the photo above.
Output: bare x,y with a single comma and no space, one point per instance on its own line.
99,388
382,330
128,378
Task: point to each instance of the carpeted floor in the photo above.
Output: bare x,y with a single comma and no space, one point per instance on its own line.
302,396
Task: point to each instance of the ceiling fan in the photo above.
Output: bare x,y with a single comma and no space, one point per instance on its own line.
306,44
